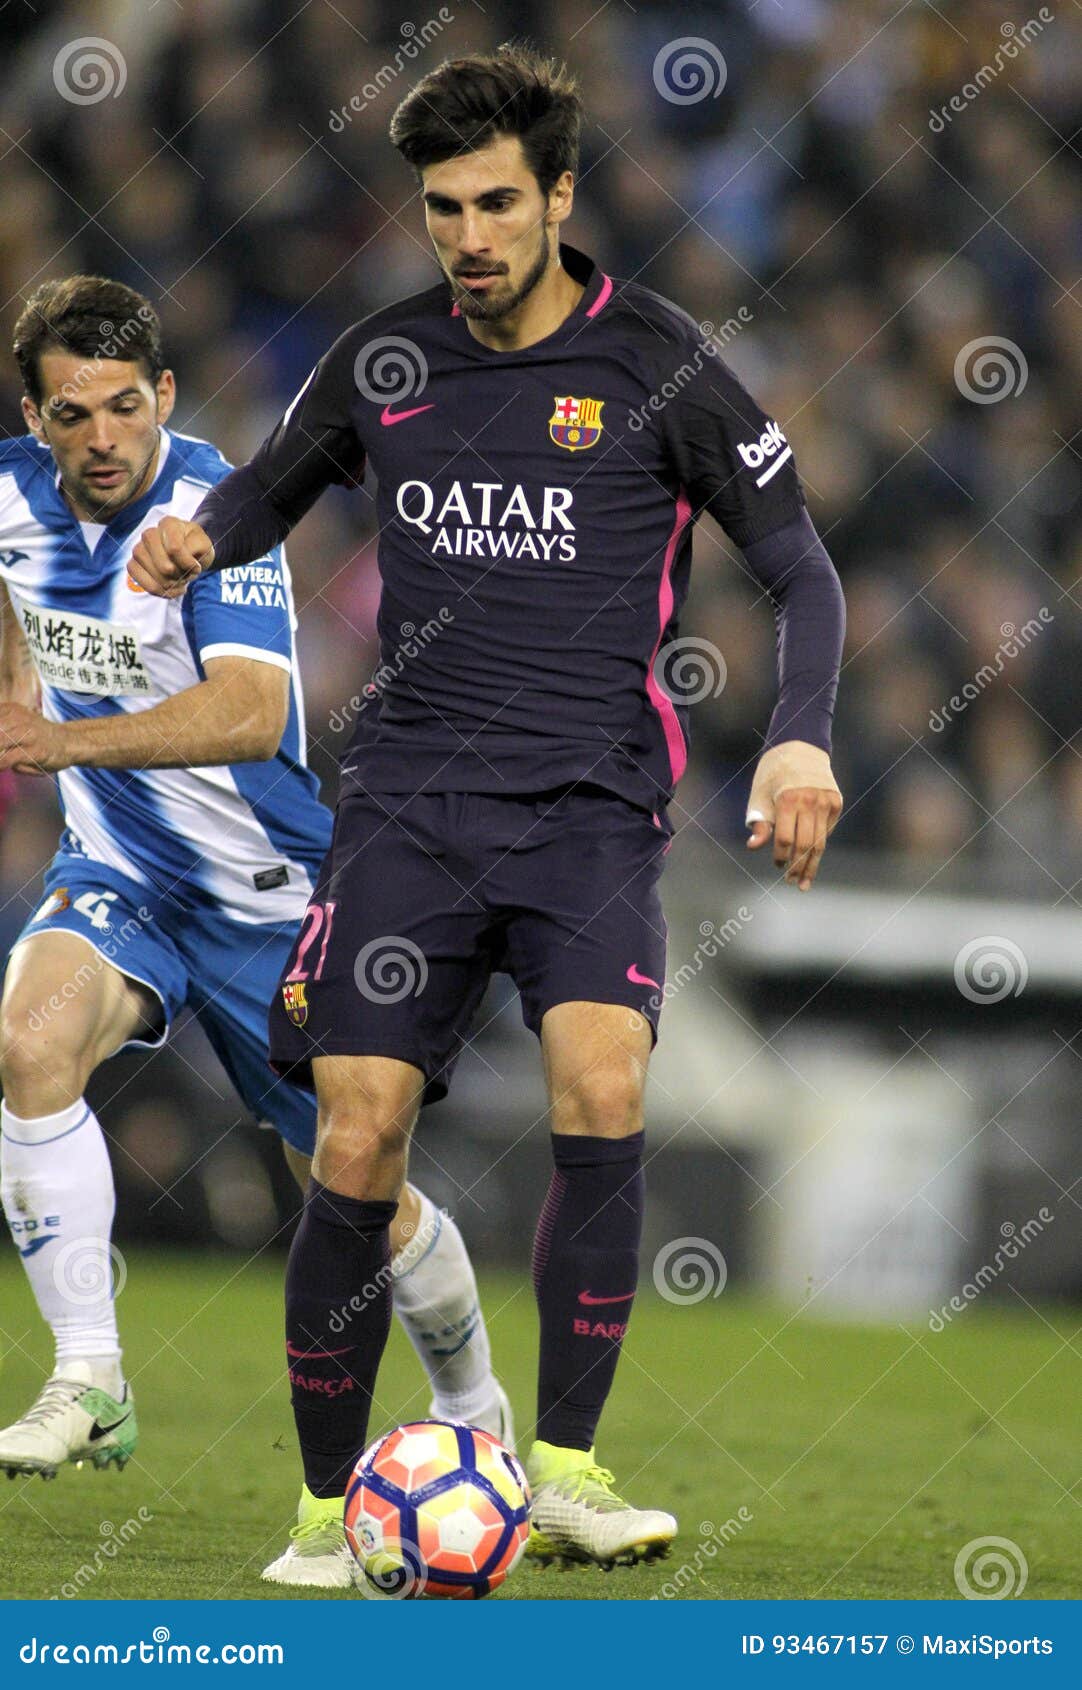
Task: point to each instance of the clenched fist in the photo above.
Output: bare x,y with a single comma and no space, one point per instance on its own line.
794,796
167,557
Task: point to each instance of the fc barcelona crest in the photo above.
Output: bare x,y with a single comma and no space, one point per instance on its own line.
576,423
296,1001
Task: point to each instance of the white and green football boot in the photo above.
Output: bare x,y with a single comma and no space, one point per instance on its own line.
71,1421
577,1516
317,1553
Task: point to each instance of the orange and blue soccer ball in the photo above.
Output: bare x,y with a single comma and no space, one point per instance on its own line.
435,1509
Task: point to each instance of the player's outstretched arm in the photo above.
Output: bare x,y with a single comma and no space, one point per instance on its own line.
237,715
252,509
167,557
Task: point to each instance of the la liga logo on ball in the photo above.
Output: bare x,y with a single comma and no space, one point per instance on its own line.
436,1510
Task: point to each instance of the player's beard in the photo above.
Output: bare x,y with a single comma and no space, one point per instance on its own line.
106,504
492,309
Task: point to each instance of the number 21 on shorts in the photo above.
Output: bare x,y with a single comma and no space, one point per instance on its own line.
318,919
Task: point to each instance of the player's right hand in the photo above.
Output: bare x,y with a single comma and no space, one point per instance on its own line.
166,558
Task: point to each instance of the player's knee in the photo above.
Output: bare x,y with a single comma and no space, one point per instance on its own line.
39,1071
604,1103
361,1153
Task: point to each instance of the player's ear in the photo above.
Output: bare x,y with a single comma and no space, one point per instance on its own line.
167,395
561,198
32,419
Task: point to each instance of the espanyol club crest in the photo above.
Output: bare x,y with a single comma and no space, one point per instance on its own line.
295,999
576,423
54,904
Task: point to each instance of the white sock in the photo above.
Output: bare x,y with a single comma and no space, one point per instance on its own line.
56,1185
435,1298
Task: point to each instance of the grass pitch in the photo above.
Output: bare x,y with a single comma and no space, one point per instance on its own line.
803,1459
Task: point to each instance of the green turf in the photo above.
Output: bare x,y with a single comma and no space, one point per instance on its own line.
866,1457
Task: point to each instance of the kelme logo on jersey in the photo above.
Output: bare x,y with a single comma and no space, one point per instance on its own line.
576,424
485,519
295,999
765,450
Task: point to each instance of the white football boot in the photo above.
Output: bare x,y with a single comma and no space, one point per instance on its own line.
317,1553
577,1516
71,1421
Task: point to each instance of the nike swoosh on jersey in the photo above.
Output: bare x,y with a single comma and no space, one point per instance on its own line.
638,979
388,417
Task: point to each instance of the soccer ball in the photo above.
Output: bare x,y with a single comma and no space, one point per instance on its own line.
436,1509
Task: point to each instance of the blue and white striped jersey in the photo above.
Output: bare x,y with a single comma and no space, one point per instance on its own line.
247,838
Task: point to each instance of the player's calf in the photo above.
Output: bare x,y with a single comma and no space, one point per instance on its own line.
56,1185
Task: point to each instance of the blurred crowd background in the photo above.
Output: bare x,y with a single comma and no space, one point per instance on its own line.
869,189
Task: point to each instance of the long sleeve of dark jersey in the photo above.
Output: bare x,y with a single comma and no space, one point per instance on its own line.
313,446
792,565
735,462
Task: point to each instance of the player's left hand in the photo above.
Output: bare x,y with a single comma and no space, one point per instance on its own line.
28,743
795,797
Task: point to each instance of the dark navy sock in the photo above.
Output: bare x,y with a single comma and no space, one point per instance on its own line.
585,1267
338,1315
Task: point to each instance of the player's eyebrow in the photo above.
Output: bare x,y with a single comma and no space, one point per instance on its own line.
59,403
443,202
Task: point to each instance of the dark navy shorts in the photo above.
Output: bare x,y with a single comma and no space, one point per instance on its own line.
421,899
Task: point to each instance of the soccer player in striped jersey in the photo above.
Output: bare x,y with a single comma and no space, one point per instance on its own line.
193,836
539,463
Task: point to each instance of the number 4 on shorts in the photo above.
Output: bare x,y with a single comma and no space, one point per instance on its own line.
95,906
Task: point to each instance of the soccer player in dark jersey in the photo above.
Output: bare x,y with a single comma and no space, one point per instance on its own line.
543,439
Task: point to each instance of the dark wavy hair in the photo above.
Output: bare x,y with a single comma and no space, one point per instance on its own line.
92,317
465,103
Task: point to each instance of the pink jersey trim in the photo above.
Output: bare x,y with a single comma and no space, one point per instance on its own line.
663,704
603,297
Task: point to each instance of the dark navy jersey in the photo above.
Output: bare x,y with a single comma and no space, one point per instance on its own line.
535,513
